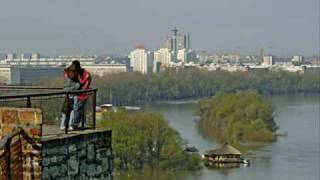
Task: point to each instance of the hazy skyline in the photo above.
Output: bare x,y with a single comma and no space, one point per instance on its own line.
117,26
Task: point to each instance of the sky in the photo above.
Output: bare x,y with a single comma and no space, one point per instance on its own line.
53,27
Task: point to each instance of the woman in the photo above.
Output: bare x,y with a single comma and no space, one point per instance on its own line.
70,83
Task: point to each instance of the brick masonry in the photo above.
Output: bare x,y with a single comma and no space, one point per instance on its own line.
29,119
78,155
25,148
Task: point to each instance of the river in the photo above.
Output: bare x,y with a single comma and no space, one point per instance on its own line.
294,157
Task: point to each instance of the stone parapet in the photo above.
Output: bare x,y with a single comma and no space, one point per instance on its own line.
80,155
29,155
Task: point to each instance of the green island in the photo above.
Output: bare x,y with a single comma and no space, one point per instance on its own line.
238,117
145,141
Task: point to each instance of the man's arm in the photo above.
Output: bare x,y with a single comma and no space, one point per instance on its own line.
69,86
84,79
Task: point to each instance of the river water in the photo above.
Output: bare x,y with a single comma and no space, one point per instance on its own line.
294,157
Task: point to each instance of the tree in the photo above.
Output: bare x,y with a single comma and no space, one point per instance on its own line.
236,117
145,140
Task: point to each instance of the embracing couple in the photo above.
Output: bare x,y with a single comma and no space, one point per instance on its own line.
75,78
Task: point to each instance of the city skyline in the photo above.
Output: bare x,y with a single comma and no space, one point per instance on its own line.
97,27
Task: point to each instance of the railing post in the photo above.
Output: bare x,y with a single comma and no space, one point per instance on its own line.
66,125
28,102
94,104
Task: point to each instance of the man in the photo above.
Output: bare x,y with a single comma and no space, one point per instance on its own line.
84,79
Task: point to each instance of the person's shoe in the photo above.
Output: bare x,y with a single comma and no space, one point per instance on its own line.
62,128
70,128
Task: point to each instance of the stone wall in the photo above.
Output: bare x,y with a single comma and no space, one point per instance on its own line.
77,155
85,155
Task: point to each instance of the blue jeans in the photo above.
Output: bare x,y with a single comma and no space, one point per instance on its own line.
79,112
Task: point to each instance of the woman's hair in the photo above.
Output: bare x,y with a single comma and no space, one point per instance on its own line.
70,72
71,68
77,65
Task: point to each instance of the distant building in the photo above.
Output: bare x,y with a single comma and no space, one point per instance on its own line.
2,56
228,58
141,60
268,60
164,56
25,56
168,43
297,59
11,56
35,56
186,56
183,41
187,44
5,74
182,55
315,60
177,42
156,62
103,69
192,56
59,61
30,75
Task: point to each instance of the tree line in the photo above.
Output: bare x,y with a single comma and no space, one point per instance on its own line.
137,89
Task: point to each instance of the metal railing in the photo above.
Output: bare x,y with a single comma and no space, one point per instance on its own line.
50,101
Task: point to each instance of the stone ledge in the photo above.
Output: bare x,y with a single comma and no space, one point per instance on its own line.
74,134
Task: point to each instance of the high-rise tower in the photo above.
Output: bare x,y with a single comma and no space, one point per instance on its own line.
174,40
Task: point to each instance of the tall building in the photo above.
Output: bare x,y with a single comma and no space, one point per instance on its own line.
183,41
182,55
174,40
141,60
177,42
168,43
164,56
156,62
188,41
